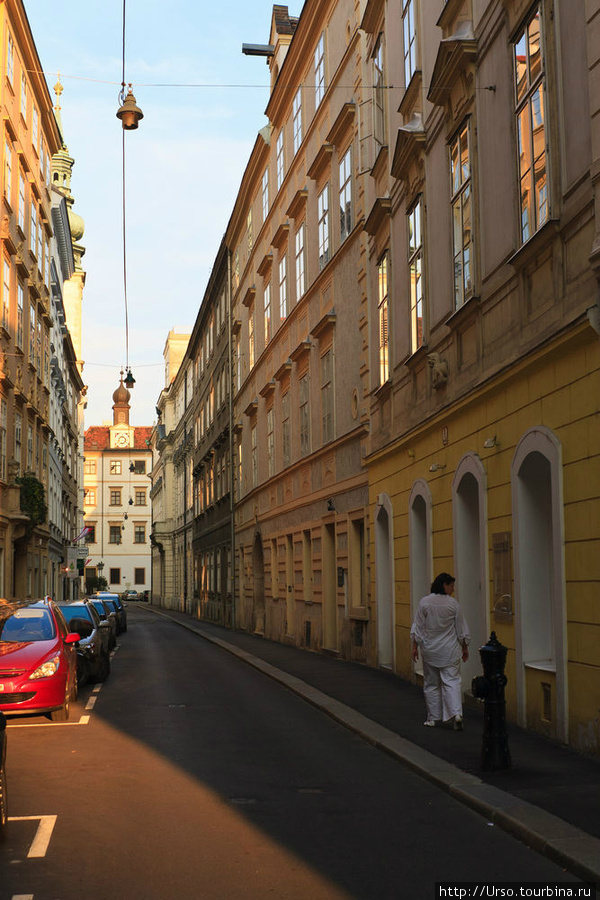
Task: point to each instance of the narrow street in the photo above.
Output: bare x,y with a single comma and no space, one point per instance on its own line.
190,774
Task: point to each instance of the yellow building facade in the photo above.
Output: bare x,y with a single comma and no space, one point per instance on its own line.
485,435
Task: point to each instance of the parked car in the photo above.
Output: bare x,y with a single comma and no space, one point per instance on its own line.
115,609
106,613
121,610
93,653
38,660
3,798
130,595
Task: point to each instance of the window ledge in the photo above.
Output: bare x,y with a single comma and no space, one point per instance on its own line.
536,244
541,665
384,390
464,312
417,358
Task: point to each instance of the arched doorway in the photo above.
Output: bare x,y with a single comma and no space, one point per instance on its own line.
384,581
470,556
420,550
539,583
258,576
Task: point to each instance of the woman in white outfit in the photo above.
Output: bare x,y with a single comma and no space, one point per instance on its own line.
440,630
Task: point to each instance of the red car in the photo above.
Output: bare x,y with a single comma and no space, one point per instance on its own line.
38,660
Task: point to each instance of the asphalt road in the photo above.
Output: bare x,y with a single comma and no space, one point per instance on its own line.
189,774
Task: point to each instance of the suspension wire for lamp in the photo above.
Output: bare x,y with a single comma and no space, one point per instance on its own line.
122,97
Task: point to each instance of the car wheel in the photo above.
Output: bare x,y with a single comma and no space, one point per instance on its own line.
3,800
103,669
62,714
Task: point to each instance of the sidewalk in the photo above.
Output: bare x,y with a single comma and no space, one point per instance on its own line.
549,799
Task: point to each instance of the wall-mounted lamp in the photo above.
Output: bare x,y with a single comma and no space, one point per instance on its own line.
330,505
435,467
490,443
129,380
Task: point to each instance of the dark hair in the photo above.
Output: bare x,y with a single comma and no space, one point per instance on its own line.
438,585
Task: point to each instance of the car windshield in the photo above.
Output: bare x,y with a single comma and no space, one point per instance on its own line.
111,605
76,612
28,624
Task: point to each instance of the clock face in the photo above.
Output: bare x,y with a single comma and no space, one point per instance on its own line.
122,440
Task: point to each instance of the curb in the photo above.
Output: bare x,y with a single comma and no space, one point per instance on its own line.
564,844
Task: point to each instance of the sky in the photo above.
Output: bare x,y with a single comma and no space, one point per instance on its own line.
203,103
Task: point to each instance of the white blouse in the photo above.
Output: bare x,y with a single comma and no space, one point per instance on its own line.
440,629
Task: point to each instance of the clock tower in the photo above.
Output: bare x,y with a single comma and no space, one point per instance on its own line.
121,432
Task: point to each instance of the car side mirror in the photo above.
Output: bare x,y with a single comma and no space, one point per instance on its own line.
72,638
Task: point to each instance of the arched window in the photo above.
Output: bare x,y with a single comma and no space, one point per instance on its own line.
384,580
540,617
420,549
469,519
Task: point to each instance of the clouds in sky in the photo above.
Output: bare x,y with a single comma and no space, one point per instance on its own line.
183,165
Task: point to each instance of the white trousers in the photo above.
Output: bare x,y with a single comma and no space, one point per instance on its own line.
443,691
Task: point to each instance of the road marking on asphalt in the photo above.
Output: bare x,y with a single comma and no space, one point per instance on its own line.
44,833
22,897
91,703
83,720
96,688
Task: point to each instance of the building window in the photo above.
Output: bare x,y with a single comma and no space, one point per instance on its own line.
265,194
378,94
6,295
320,70
18,439
415,266
410,41
249,231
89,467
90,537
21,212
115,497
10,59
115,533
300,262
382,294
283,293
279,159
323,215
20,307
89,497
140,498
251,337
304,416
114,576
297,119
115,467
139,467
139,576
139,534
267,306
24,97
33,224
8,172
460,160
35,133
3,411
327,396
286,433
346,195
254,455
30,448
530,111
239,463
271,442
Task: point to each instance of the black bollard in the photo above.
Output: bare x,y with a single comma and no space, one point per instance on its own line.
489,687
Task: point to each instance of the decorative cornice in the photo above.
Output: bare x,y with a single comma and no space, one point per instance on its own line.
372,15
342,124
455,54
301,350
320,162
249,297
380,211
298,204
323,325
410,141
280,237
265,264
283,370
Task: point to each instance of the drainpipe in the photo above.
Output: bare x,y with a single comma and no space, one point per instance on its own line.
231,442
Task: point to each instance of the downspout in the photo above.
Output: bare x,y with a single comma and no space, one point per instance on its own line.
231,442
